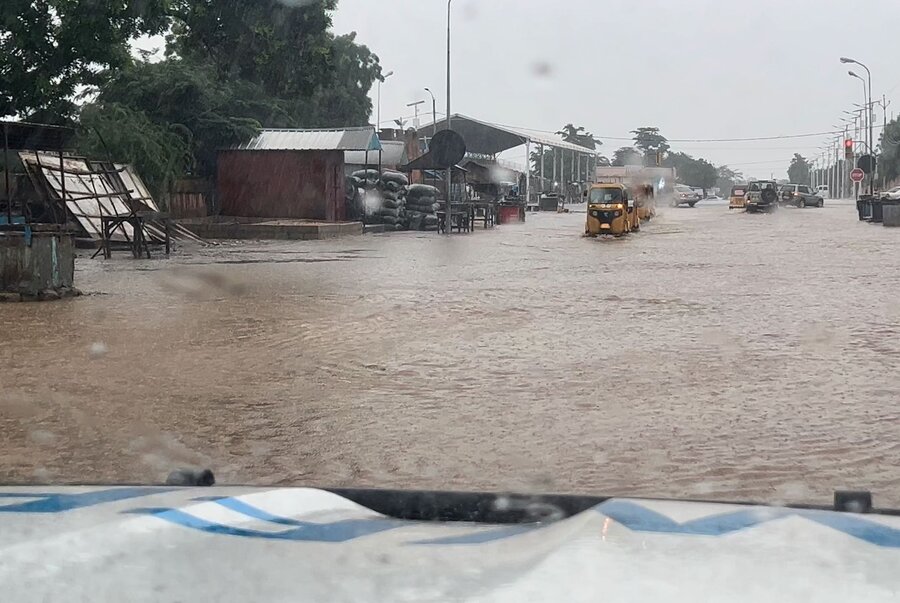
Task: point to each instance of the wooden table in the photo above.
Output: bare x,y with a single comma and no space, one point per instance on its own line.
138,242
489,213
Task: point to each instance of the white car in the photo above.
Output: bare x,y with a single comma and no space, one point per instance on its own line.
822,191
891,193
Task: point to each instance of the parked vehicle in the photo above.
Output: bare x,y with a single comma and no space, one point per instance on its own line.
762,196
823,191
800,195
891,194
685,195
737,198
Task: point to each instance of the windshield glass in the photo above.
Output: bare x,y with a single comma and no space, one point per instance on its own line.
605,195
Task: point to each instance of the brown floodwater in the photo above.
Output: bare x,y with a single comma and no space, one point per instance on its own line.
715,355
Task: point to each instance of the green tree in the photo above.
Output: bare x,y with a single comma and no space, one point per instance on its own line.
51,48
579,136
626,156
649,141
889,161
726,178
182,98
160,153
691,171
799,169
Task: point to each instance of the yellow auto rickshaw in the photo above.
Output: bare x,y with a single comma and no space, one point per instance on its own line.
610,211
645,201
737,199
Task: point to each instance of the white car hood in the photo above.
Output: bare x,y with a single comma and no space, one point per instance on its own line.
303,544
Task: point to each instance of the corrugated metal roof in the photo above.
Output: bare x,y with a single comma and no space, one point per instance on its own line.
393,153
338,139
490,138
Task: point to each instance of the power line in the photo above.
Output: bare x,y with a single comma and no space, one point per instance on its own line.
747,139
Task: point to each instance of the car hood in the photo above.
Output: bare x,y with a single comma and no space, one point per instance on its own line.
303,544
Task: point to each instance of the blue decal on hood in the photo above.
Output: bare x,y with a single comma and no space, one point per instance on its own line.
59,503
337,531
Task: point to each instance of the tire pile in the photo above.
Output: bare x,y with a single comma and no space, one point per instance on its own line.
421,205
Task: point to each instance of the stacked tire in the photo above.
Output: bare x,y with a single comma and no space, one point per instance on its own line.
421,207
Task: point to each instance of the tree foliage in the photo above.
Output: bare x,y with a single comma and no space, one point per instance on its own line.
50,48
889,164
691,171
799,170
727,178
231,67
190,100
649,141
162,153
626,156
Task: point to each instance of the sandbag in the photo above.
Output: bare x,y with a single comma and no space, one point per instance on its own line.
390,204
366,174
421,190
390,220
390,195
385,211
424,200
395,177
425,209
394,187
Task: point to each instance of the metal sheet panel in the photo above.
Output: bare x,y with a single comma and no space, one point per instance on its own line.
281,184
80,185
344,139
393,154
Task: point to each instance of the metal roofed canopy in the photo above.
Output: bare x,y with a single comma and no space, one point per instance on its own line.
336,139
485,138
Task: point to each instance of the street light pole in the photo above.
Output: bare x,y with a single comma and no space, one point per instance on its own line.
378,113
449,124
868,111
433,112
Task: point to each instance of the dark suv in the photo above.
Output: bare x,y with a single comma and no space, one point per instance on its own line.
762,196
800,195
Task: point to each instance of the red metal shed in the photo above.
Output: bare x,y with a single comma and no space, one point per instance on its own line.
295,174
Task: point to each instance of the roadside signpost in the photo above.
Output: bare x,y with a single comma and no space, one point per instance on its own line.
857,175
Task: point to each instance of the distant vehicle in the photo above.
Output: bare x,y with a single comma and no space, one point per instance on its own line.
685,195
822,191
800,195
699,191
737,199
891,193
762,196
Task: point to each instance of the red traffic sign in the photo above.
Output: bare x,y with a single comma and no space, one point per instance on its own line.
857,175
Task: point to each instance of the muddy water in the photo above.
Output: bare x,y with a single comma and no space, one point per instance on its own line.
715,355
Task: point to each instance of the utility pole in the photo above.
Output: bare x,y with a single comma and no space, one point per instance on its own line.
450,127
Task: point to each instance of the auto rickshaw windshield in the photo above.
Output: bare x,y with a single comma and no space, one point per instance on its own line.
606,195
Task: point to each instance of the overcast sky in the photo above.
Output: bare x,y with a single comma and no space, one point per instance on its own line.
697,69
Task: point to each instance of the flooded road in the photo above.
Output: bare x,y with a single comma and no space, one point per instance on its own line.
715,355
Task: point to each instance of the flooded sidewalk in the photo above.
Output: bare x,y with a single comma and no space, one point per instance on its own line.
715,354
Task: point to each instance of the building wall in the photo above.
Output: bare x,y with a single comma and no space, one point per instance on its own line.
281,184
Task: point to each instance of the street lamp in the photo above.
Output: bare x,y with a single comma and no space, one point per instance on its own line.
378,114
449,125
433,112
869,74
